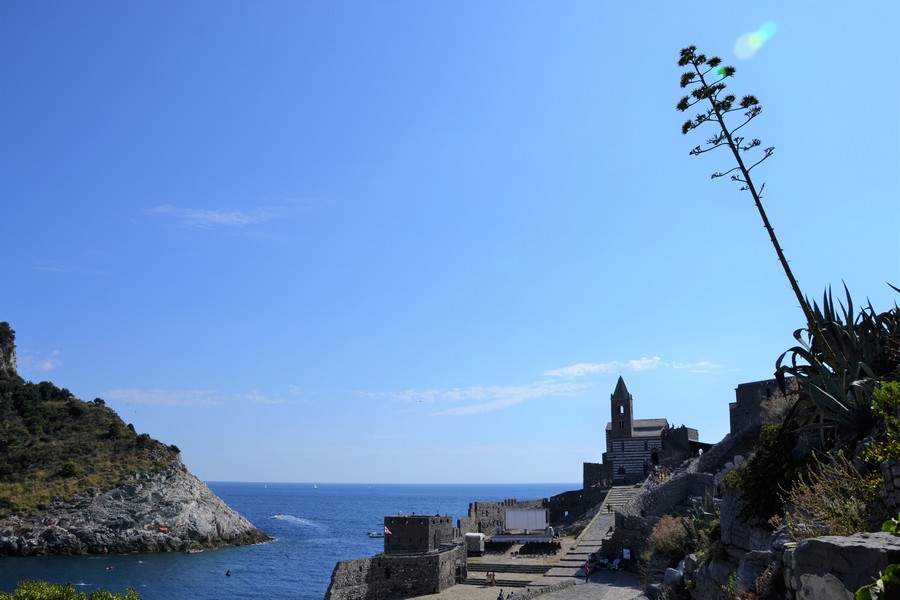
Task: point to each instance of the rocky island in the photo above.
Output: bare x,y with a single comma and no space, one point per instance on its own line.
75,479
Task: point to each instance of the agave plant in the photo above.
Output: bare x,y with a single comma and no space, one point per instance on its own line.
839,383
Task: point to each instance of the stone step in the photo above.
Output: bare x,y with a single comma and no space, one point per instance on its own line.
501,583
528,569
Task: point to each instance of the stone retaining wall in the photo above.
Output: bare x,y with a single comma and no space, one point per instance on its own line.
635,519
490,517
397,576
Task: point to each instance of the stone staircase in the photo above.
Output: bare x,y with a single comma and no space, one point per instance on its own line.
591,539
481,568
617,496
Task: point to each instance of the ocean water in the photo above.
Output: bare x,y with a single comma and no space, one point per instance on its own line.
314,526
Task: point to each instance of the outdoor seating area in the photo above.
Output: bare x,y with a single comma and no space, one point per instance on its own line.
540,548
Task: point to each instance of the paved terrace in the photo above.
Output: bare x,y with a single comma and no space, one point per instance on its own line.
555,577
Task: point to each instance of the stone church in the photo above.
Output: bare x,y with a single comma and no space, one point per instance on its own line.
635,446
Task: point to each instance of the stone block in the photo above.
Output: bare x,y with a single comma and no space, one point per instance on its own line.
751,566
824,587
854,560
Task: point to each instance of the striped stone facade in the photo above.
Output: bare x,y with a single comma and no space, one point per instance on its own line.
632,445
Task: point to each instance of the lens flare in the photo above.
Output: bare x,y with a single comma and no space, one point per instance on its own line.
747,45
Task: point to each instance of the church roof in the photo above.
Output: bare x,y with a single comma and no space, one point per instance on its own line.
621,390
646,427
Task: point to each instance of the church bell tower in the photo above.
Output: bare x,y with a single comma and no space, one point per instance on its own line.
622,420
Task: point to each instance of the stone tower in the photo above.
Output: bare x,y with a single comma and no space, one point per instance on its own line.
8,367
622,417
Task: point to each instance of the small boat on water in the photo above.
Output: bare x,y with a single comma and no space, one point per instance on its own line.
376,534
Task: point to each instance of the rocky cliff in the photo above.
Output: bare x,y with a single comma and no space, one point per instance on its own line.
8,367
75,479
168,511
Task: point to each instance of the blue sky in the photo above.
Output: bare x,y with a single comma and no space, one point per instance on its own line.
420,241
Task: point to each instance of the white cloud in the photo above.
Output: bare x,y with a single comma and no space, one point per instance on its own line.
228,218
703,366
482,399
163,397
583,369
42,364
158,397
643,364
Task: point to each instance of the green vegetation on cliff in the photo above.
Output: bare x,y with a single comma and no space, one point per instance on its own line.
53,445
40,590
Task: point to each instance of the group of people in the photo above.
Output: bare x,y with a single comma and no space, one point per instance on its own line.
509,596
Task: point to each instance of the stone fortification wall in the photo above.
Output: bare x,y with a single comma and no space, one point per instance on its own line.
716,457
576,502
489,518
417,533
397,576
635,519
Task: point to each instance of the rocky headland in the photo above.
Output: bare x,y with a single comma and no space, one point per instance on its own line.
169,511
75,479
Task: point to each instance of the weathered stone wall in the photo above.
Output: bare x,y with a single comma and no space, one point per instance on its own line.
490,517
397,576
593,474
891,472
716,457
635,519
416,533
574,503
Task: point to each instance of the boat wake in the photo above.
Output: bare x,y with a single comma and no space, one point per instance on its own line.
297,520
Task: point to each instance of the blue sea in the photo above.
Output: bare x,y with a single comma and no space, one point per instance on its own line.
314,526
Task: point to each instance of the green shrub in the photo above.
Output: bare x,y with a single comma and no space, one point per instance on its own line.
771,470
833,498
885,444
41,590
53,445
673,538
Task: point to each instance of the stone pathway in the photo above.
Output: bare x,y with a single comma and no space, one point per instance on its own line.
602,585
591,539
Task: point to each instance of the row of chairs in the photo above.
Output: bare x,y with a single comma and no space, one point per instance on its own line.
540,548
497,547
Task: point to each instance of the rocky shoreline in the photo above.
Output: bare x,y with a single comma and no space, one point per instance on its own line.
171,511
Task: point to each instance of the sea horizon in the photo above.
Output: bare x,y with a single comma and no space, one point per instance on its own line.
313,525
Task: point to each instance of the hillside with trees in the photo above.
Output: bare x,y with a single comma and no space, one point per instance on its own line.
74,478
55,445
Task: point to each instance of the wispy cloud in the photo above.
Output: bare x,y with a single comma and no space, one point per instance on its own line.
703,366
483,399
57,267
31,361
582,369
635,364
156,397
228,218
160,397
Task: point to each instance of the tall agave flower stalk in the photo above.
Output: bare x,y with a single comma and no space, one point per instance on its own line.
840,357
707,75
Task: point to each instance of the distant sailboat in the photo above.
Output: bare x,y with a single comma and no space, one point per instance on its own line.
315,486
